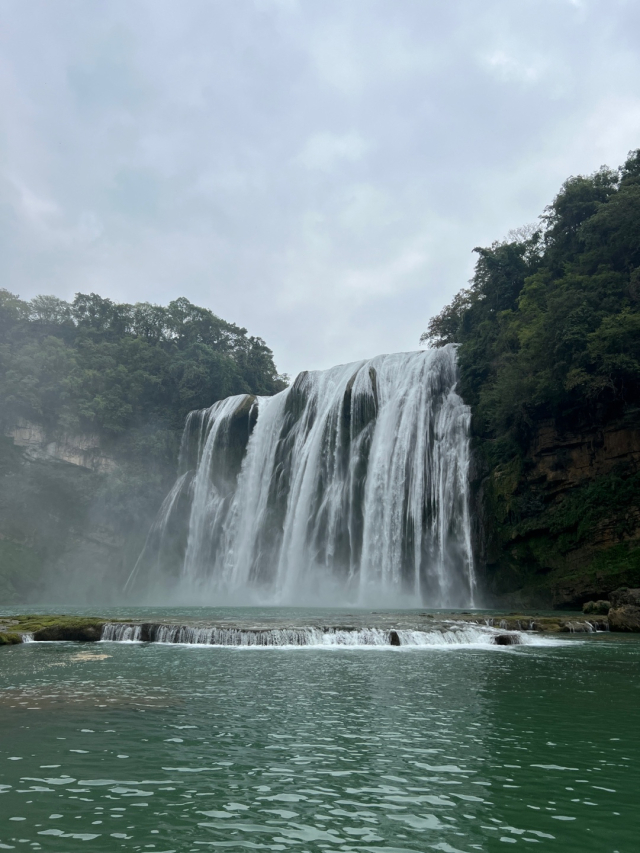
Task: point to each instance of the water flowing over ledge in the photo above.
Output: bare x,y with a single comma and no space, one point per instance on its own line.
349,486
291,628
446,634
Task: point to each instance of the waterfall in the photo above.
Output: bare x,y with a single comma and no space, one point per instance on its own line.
350,486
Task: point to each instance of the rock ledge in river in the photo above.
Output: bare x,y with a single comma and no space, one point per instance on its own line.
625,610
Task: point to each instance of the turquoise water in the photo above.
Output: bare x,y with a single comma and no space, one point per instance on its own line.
108,746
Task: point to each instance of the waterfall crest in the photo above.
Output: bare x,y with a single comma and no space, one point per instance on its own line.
348,487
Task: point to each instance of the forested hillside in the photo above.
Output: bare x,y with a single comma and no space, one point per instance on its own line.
93,397
549,334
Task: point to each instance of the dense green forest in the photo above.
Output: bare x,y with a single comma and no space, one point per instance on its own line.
549,334
94,364
126,376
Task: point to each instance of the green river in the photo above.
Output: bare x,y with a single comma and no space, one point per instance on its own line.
170,748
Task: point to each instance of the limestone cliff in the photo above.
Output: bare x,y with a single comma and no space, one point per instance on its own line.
72,516
562,526
83,450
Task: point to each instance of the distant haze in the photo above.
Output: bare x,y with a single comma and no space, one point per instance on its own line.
318,172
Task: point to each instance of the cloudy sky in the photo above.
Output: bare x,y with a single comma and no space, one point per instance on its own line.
315,170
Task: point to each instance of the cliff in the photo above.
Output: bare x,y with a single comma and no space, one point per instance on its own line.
77,449
63,536
561,526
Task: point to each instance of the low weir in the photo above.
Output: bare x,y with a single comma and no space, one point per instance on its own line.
443,635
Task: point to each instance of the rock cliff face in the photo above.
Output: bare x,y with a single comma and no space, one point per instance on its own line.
562,526
83,450
72,517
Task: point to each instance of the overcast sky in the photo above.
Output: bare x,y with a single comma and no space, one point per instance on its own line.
318,171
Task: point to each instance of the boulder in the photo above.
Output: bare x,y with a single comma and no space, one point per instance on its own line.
79,633
625,610
596,608
575,627
506,640
625,597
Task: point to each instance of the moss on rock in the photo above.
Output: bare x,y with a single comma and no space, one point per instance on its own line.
50,628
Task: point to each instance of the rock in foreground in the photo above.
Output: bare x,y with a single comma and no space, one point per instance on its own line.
625,610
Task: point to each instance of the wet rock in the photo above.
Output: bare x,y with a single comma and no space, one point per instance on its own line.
625,610
506,640
625,619
625,597
79,633
394,638
596,608
148,632
575,627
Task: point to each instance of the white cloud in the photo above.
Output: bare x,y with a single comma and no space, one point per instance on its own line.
512,69
36,208
317,172
324,151
337,58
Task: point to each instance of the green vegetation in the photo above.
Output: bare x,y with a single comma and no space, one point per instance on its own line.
550,326
123,377
549,334
129,372
50,628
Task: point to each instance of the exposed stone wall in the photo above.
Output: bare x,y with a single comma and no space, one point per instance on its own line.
529,542
563,460
83,449
62,537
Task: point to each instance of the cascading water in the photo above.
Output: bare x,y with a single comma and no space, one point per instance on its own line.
350,486
444,634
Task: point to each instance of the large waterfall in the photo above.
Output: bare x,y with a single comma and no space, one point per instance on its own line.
349,487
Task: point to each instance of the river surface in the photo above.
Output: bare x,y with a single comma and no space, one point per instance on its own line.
150,747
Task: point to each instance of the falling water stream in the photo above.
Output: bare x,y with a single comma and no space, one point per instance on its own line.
349,486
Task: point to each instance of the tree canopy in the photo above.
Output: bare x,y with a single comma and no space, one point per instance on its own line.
96,365
549,326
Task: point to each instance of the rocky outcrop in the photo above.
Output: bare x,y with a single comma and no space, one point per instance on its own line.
625,610
64,509
90,633
561,527
81,449
506,640
596,608
50,629
565,459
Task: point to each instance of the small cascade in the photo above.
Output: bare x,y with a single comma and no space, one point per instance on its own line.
28,638
349,486
458,634
121,633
